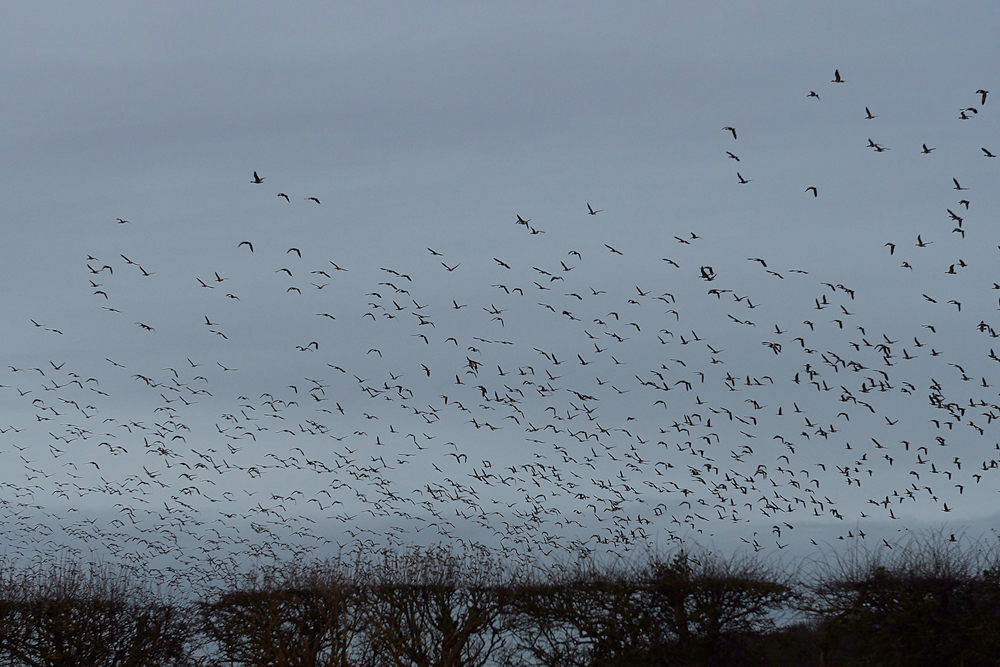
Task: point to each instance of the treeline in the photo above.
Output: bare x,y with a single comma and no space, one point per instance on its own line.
928,603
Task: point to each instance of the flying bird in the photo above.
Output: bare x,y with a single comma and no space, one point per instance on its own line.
814,191
730,129
257,180
836,77
592,211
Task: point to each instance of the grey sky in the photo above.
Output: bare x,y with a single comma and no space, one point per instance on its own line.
435,126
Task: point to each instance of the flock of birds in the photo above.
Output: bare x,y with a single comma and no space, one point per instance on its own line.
560,414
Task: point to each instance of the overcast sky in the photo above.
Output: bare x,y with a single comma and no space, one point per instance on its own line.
628,378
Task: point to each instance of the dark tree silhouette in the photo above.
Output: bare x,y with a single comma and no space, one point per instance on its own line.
291,617
928,602
68,614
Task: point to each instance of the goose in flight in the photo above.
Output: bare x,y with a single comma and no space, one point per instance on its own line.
984,93
257,180
868,114
988,154
836,77
743,181
592,211
730,129
926,150
282,194
814,191
812,93
312,199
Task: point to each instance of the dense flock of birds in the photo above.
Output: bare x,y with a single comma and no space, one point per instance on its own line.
557,414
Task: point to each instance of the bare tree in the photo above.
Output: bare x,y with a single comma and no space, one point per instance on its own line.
292,616
435,608
68,614
689,609
927,602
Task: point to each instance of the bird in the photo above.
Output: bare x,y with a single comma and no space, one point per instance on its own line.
868,115
247,244
592,211
257,179
984,93
926,150
312,199
836,77
743,181
814,191
730,129
957,186
812,93
282,194
987,153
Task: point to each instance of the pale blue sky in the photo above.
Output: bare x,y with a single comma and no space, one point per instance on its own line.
435,126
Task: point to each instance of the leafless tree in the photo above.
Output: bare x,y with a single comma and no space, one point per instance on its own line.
930,601
69,614
688,609
291,616
436,608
